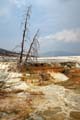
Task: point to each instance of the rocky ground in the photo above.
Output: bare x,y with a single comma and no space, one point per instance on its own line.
44,96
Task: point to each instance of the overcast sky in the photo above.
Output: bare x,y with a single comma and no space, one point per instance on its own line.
58,21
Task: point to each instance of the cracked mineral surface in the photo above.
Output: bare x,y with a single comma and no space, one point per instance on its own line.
52,99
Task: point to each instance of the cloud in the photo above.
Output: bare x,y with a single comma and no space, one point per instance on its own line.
7,6
3,12
72,35
4,8
42,2
18,3
66,0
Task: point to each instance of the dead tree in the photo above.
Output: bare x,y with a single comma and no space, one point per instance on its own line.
24,34
33,49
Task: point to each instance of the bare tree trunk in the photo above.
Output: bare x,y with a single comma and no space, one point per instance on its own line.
30,48
24,34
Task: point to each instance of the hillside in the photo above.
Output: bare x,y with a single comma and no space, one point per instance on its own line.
7,52
59,53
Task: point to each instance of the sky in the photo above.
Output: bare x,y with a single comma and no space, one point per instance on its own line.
58,21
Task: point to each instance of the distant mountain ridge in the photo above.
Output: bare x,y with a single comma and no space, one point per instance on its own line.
46,54
7,52
59,53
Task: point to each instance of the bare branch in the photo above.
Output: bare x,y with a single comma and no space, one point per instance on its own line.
24,33
31,49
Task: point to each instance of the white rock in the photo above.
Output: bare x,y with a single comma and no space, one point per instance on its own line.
21,86
77,65
14,75
59,77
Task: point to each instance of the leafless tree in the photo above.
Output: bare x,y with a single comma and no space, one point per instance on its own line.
32,52
24,33
33,49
